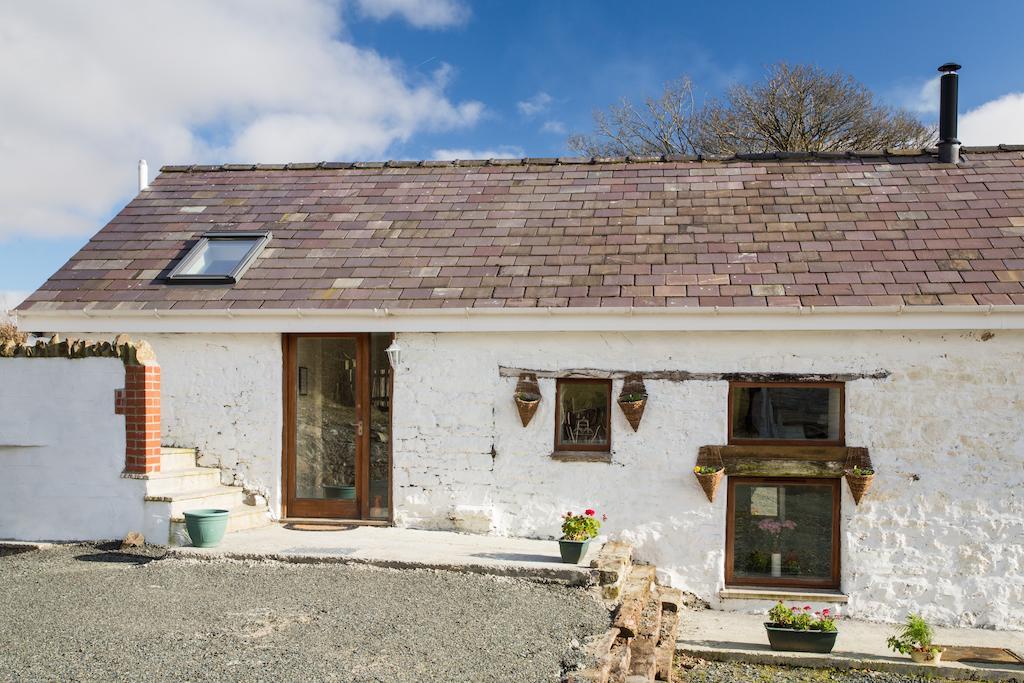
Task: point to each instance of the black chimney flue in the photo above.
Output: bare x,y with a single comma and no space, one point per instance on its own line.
949,146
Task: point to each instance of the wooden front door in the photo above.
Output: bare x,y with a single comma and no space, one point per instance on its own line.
329,420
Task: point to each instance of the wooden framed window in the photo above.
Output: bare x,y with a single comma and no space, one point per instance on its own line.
787,413
583,409
782,532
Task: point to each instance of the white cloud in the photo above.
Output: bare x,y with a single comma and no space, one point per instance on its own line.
920,98
534,105
555,127
998,121
419,13
88,89
500,152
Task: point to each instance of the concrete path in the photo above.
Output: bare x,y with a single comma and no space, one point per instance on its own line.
729,636
403,548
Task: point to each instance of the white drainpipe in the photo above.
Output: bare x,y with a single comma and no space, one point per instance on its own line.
143,175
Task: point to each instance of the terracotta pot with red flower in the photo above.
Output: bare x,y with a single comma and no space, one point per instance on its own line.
577,532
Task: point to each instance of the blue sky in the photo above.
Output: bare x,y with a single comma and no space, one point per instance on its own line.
343,79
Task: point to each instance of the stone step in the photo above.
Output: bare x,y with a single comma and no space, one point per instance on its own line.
636,594
666,648
182,481
598,648
240,518
643,663
173,458
216,497
619,656
612,565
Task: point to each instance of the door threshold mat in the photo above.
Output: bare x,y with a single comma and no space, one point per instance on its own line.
319,527
980,655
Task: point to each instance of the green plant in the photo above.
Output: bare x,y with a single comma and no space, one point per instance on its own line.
581,527
706,469
863,471
758,562
917,635
632,398
802,619
527,396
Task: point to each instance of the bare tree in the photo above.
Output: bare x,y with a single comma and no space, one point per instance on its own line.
795,108
664,125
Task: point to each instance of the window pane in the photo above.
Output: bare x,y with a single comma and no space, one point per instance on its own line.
583,414
782,531
786,413
218,257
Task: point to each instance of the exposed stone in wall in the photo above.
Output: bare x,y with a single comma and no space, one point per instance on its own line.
130,352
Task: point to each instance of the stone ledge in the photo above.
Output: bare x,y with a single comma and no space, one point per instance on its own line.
786,595
581,456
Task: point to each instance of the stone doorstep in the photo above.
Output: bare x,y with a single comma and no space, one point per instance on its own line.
776,594
952,670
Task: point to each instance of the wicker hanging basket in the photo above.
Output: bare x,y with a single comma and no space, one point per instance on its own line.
859,483
633,387
527,396
710,482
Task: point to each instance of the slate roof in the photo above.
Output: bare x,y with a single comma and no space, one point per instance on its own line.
858,229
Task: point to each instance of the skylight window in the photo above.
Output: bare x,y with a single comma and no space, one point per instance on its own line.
219,257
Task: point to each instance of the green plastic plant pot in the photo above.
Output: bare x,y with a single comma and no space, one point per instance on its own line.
206,527
573,551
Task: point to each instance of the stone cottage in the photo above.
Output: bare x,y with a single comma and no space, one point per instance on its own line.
349,341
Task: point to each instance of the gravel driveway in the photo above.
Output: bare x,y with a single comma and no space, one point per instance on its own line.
83,613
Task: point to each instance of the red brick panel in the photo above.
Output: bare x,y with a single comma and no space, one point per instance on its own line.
142,418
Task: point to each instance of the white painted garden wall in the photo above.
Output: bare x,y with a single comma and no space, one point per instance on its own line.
941,531
62,451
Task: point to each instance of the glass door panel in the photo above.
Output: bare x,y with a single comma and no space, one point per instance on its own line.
327,427
380,427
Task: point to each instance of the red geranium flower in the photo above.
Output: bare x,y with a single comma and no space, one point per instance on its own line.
588,512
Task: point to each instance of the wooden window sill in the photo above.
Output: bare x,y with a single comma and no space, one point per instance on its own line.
582,456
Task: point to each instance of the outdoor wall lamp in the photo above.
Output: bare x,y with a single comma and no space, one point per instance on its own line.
394,354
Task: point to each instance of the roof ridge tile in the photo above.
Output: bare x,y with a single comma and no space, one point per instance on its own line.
926,154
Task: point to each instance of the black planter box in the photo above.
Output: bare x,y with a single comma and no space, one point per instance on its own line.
792,640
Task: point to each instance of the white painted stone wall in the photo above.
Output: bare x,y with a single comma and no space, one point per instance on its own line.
221,393
62,451
941,532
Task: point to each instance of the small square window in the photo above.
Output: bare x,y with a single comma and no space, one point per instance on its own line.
219,257
779,413
583,408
